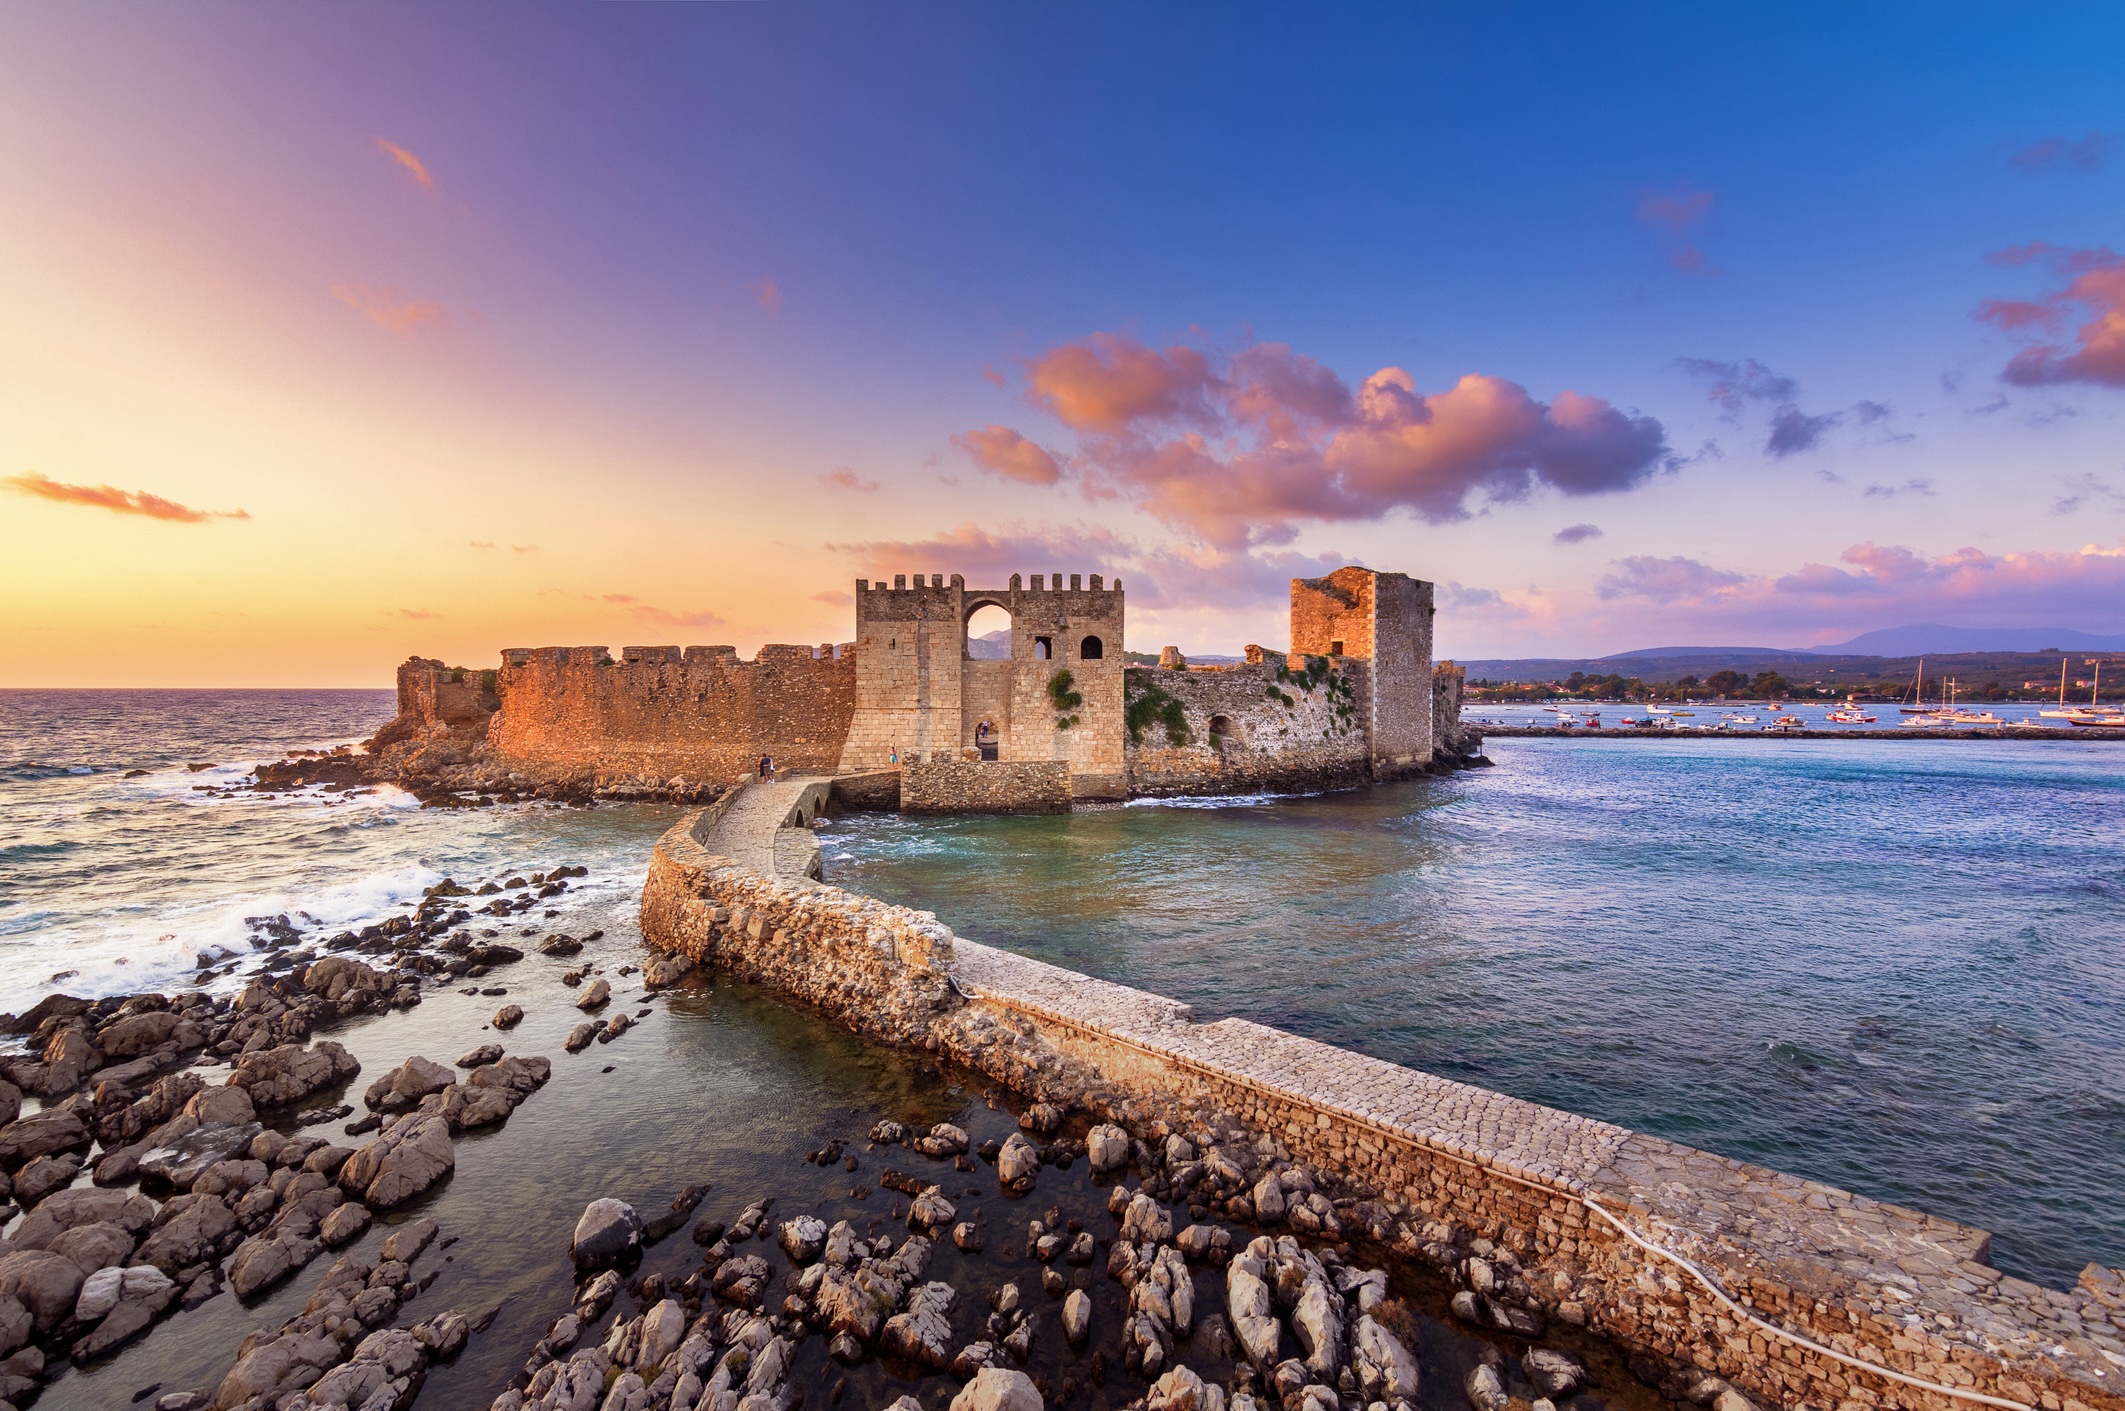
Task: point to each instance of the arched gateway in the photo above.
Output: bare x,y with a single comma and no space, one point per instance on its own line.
922,692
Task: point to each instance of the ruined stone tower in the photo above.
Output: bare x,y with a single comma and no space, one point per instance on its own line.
1384,619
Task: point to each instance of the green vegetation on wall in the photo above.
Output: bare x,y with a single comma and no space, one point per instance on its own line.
1148,706
1066,701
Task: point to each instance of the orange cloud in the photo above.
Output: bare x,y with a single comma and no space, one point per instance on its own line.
842,478
1109,380
385,309
664,617
769,294
110,497
411,614
2095,287
406,159
1002,451
1236,451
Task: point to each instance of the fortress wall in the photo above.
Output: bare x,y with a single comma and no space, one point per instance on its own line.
658,713
1448,681
436,701
1890,1287
997,786
1313,743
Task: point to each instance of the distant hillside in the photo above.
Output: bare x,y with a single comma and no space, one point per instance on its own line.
1805,668
1931,638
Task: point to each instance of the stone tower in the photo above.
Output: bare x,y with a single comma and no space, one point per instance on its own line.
919,692
1384,619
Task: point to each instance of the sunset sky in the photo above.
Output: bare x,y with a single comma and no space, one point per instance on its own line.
337,334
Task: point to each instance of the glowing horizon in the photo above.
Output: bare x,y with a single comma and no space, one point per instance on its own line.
341,337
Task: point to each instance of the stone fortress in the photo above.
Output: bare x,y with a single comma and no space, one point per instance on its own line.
911,718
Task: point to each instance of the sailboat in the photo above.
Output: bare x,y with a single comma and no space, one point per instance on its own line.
2096,716
2062,713
1918,704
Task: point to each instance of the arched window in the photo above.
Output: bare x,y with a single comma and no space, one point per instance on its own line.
1091,649
989,633
1043,649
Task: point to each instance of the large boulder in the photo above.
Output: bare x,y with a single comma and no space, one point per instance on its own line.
405,1085
409,1155
40,1134
923,1333
607,1230
224,1106
131,1035
1385,1369
94,1247
1018,1162
183,1159
65,1210
999,1389
45,1283
1106,1148
192,1230
277,1077
338,978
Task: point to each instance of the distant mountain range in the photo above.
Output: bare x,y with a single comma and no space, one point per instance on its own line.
1891,653
1932,637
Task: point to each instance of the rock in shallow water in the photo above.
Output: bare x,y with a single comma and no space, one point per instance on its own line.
607,1230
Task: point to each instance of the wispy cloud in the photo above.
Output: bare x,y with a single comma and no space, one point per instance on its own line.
1915,486
835,597
413,165
524,548
1668,580
388,309
1576,534
411,614
110,497
2087,490
2085,154
842,478
769,295
480,543
1734,385
665,617
1675,209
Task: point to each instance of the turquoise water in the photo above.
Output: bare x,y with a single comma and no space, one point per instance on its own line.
1897,967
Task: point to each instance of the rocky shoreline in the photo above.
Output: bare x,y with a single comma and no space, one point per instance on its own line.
144,1189
181,1191
1060,1265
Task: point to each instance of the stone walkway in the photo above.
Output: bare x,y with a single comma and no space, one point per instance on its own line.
763,829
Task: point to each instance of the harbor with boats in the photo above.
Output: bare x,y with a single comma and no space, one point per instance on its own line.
1915,717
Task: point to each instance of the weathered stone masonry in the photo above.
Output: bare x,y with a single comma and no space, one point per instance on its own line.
1358,700
1887,1286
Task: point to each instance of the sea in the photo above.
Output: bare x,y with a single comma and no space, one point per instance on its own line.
1896,966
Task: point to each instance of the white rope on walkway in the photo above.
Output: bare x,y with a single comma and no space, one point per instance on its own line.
1873,1368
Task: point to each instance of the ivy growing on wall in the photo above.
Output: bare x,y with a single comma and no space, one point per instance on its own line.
1149,706
1066,701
